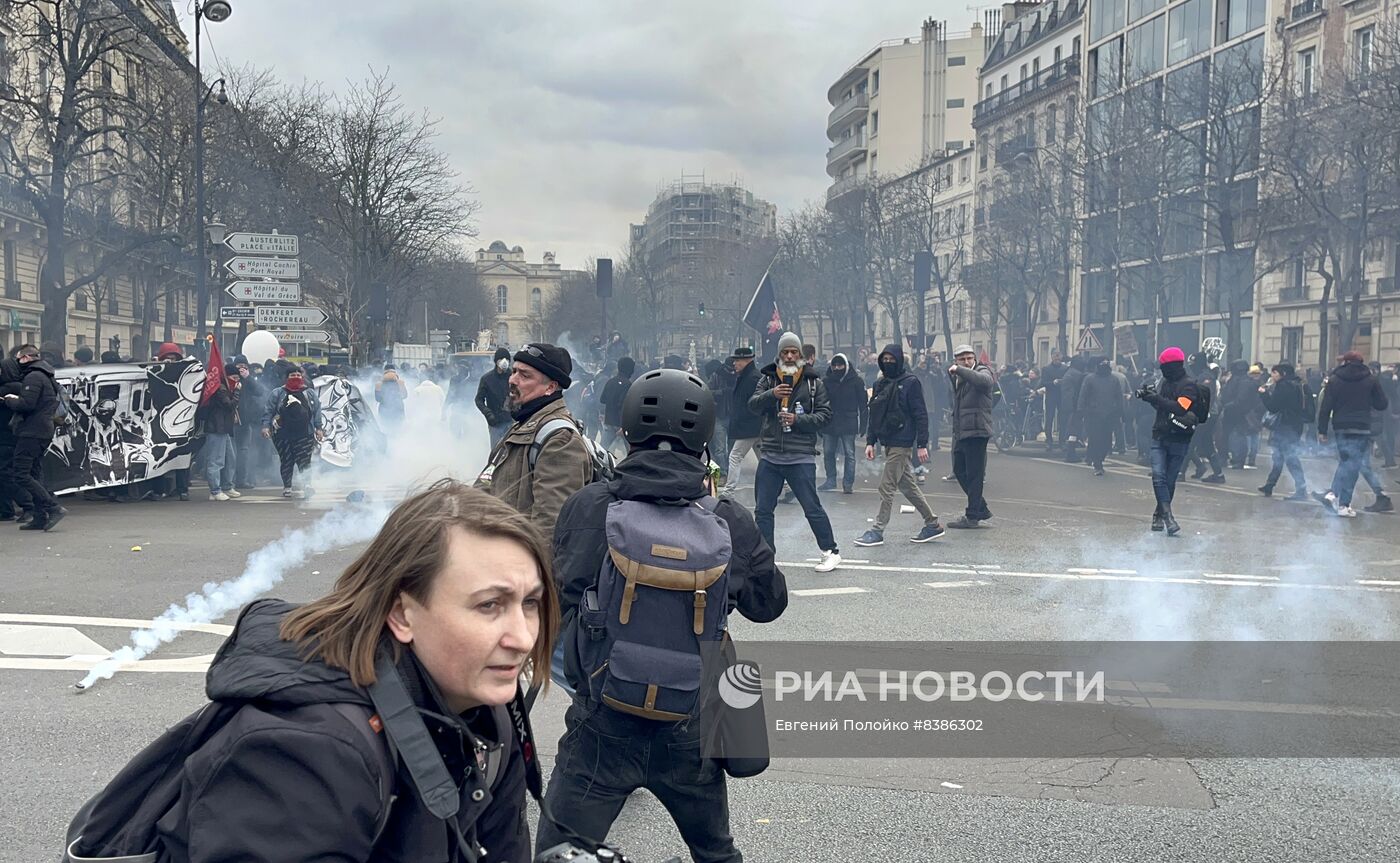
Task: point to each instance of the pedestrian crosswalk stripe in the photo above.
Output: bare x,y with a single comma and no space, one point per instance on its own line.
828,591
965,583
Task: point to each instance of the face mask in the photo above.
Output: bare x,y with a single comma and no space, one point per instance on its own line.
295,384
503,364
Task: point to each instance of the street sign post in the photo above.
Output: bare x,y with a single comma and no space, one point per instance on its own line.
265,292
284,245
289,316
319,336
264,268
236,313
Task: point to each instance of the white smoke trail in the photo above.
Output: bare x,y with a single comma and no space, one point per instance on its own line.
266,567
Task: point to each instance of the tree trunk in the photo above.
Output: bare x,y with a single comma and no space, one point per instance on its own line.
97,320
1324,318
52,277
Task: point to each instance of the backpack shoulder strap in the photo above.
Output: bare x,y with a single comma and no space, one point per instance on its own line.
410,739
359,717
543,433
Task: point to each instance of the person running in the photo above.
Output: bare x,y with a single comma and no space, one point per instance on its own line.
292,422
899,421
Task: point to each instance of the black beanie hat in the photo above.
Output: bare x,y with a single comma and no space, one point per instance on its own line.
501,354
627,366
549,360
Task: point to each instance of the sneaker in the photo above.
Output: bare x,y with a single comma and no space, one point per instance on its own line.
1266,490
218,495
35,524
55,516
1382,504
1098,470
1328,500
929,533
829,485
788,498
184,495
871,538
234,493
1346,512
1215,479
286,492
951,478
830,560
848,490
964,523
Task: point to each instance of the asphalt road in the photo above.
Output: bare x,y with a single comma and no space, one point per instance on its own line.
1068,556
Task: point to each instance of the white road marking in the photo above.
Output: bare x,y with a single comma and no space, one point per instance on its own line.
1378,582
114,622
1236,575
828,591
969,583
44,640
87,654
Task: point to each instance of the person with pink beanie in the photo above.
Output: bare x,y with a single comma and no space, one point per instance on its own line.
1181,405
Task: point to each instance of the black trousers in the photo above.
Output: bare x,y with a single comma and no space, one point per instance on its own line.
970,467
11,495
29,472
1100,431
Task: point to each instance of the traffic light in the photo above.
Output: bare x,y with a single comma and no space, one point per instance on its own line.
702,310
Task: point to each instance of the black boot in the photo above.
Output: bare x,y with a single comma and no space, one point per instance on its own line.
1172,527
1266,490
1157,521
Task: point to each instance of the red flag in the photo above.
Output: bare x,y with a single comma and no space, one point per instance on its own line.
213,372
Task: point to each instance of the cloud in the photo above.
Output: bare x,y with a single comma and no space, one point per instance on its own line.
566,118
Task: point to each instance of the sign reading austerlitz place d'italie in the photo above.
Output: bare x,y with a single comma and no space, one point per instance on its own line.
284,245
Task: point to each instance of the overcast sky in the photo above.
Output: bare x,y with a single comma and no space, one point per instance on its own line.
566,117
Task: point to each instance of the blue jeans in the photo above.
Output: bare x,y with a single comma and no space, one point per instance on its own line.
845,444
1351,449
802,479
220,460
1167,458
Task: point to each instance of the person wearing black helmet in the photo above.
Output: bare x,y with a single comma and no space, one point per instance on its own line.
609,748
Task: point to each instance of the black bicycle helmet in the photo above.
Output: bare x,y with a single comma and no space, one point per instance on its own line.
671,405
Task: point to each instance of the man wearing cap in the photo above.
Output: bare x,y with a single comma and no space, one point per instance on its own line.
793,407
1182,404
973,400
538,485
491,394
744,425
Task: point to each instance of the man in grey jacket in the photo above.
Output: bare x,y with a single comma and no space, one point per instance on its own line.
974,390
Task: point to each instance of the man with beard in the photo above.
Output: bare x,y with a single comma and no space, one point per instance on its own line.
1181,405
33,398
536,476
292,422
792,404
491,393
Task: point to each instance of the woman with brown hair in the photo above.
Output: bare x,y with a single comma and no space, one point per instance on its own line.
372,723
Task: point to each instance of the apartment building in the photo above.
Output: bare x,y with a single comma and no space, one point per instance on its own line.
902,102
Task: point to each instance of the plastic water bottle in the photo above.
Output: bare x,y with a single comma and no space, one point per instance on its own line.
797,411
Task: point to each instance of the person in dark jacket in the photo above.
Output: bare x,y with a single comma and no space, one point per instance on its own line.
938,395
720,379
1181,405
249,455
1349,396
744,425
1050,378
595,771
845,388
459,399
32,401
14,500
391,393
450,601
221,415
292,421
611,400
1284,399
794,408
1100,410
899,421
1240,415
491,394
1071,430
973,399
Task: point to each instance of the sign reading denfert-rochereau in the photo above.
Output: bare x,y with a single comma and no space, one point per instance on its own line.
286,245
289,316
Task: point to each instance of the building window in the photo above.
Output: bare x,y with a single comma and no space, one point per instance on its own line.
875,82
874,122
1142,8
1307,69
1105,68
1292,344
956,103
1035,67
11,271
4,59
502,300
1106,17
1189,28
1004,82
1146,49
1364,50
1025,71
957,61
1051,113
80,301
1058,51
989,90
964,169
536,302
1238,17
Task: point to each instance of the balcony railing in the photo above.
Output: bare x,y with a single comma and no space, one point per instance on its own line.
856,104
1306,9
1065,70
850,146
1293,294
1009,151
841,187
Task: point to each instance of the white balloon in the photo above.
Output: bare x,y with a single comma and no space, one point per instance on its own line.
261,347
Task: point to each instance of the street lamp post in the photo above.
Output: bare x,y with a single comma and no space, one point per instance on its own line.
215,11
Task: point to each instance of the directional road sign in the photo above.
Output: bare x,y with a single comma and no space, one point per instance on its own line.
236,313
286,245
265,292
302,335
289,316
265,268
1088,342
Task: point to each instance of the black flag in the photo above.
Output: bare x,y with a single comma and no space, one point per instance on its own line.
763,316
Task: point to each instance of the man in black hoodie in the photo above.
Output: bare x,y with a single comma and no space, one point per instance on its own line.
614,393
34,399
744,426
1181,404
1349,396
899,420
603,755
1100,410
1070,423
845,389
1284,399
491,393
